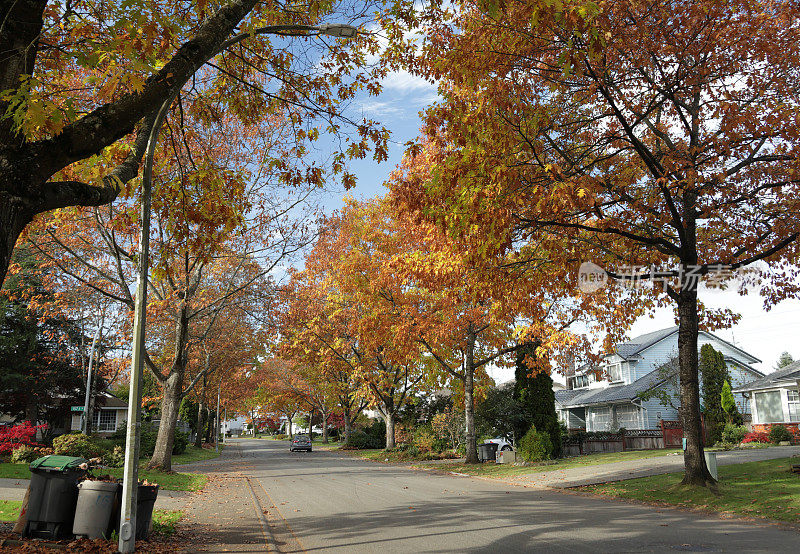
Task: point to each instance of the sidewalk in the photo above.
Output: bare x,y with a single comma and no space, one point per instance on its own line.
618,471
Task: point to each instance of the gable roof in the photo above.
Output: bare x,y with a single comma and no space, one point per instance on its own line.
625,393
786,375
633,347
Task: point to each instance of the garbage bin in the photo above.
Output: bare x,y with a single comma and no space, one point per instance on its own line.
711,463
145,500
487,451
53,493
96,501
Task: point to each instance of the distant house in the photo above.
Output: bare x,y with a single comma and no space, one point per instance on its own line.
774,398
109,413
608,397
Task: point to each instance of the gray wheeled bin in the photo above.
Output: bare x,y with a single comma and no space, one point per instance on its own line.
487,452
53,493
96,501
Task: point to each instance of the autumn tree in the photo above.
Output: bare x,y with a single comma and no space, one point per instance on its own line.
82,80
659,134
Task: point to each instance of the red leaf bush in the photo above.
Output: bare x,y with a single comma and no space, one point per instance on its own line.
756,437
18,435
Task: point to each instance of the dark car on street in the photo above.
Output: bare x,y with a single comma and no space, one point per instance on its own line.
300,442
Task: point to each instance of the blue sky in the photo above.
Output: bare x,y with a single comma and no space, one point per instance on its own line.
763,334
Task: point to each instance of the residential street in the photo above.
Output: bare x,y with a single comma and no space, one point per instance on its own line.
323,501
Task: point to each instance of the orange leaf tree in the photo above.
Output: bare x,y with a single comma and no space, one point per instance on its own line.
660,134
81,78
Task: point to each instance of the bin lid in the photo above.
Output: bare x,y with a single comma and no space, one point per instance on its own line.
57,463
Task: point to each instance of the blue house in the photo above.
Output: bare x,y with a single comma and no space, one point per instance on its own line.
609,397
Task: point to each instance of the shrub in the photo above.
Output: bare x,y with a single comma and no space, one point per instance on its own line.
361,440
180,442
115,458
779,433
733,434
535,446
22,434
755,437
424,438
25,454
77,445
281,437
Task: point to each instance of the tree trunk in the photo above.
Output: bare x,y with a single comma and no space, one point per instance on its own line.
210,424
198,439
324,427
162,456
31,410
695,470
469,401
348,426
13,218
469,415
388,418
172,389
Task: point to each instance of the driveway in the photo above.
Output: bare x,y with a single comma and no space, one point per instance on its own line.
630,469
322,501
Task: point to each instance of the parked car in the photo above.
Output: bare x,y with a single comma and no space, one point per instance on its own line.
300,442
502,443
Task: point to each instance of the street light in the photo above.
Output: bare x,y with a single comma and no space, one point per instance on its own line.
127,534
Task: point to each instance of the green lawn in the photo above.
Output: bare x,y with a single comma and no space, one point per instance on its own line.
380,455
167,481
508,470
164,521
194,454
9,509
758,489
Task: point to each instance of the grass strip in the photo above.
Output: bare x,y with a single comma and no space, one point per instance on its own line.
765,489
167,481
165,521
9,509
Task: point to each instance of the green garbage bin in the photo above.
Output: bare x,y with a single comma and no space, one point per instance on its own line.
53,493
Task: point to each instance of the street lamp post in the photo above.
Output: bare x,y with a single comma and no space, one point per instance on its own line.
127,535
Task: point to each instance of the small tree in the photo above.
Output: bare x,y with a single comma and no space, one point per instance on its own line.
784,360
728,404
714,373
449,425
537,398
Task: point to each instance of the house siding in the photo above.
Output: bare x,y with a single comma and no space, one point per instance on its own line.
654,412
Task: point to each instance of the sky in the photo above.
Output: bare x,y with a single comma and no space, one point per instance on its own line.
764,334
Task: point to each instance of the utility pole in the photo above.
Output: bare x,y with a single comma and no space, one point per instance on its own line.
216,427
85,421
127,534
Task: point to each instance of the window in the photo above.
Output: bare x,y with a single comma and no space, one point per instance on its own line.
615,372
105,420
628,417
580,381
601,419
794,405
768,406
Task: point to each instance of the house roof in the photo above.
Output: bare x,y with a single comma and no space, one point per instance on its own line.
110,401
631,348
608,395
627,350
789,374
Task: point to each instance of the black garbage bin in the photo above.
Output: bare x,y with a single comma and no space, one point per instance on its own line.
487,452
53,493
146,496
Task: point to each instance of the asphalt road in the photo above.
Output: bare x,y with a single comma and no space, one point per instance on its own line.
323,501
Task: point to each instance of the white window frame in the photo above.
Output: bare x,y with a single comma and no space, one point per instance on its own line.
793,403
103,426
612,368
601,424
629,410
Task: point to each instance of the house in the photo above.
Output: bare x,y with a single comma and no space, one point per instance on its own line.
609,397
109,413
774,398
